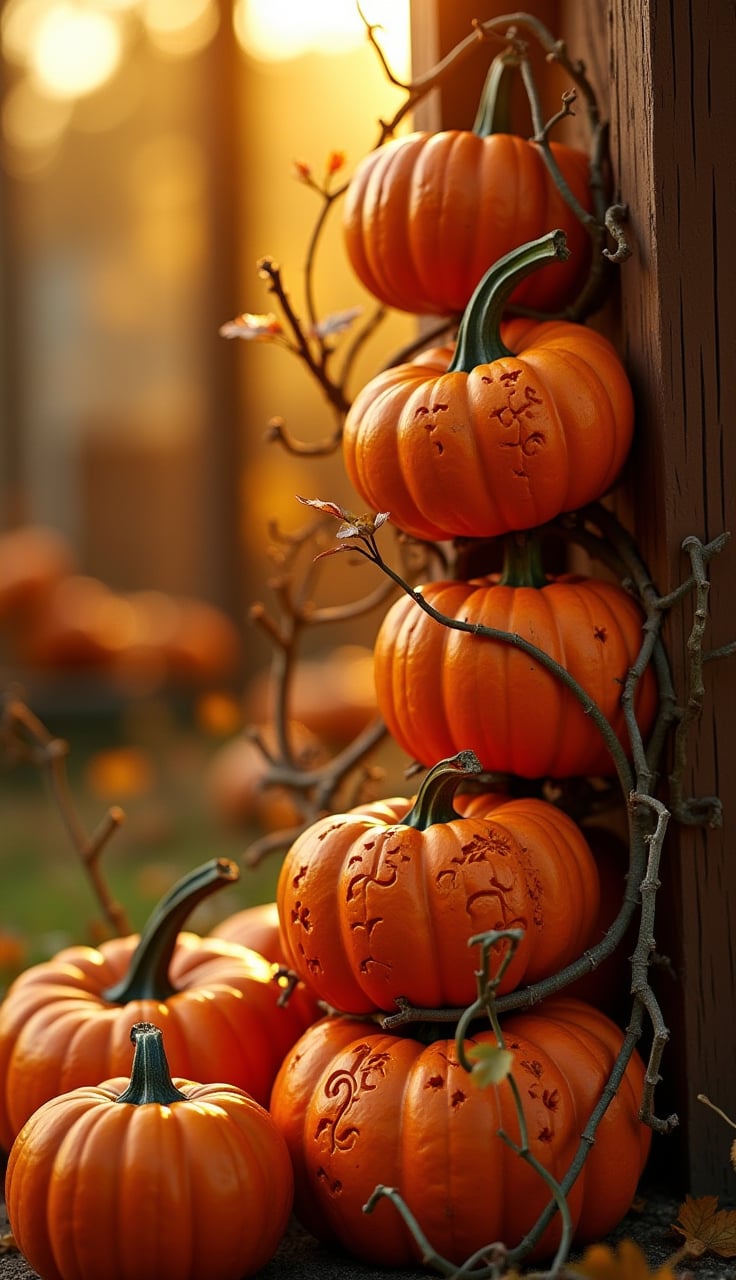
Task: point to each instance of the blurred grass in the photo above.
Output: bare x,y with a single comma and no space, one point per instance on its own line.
150,759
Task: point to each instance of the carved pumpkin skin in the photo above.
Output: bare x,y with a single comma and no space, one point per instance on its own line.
493,699
426,215
509,445
371,909
359,1108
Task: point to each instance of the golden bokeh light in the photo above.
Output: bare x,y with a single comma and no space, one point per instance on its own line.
180,28
74,49
279,30
18,26
31,121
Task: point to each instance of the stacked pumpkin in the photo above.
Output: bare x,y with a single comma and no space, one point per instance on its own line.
515,424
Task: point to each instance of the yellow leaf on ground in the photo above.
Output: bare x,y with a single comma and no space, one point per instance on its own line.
600,1262
706,1227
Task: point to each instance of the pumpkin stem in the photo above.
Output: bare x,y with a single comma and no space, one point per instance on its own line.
150,1078
433,804
522,562
494,109
479,335
148,973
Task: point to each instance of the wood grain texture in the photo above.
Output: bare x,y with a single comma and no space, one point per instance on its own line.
664,73
671,111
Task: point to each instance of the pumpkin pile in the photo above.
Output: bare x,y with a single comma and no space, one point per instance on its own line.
380,908
187,1177
487,440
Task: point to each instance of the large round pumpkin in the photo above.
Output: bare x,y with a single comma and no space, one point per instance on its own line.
66,1022
426,215
380,903
523,421
148,1177
442,690
359,1107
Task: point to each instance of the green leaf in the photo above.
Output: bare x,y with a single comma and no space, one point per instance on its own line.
492,1064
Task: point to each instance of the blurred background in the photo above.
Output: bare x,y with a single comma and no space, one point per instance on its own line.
147,164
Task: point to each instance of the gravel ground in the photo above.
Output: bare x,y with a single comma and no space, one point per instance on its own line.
300,1257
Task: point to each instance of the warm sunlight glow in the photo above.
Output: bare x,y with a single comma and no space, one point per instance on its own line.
180,28
277,30
74,50
19,23
32,121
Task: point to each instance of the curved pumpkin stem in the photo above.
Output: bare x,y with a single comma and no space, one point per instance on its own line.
494,108
433,804
522,562
148,974
150,1078
479,335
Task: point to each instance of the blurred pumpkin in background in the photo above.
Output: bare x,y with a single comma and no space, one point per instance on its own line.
235,786
33,558
333,696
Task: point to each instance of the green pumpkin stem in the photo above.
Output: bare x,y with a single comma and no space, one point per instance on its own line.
433,804
522,562
150,1078
494,109
148,973
479,335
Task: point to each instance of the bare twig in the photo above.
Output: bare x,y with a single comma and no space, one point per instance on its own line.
25,736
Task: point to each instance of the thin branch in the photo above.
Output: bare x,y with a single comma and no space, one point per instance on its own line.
25,736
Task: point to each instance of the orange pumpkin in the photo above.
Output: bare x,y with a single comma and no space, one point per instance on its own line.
380,902
255,927
491,697
426,215
149,1177
65,1022
359,1107
524,421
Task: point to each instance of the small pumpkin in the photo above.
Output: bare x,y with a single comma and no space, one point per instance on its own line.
66,1021
148,1177
490,697
380,902
522,421
426,214
359,1107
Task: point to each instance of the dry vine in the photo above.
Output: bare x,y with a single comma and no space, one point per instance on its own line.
598,532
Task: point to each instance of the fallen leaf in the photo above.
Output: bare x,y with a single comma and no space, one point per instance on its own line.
599,1262
706,1227
7,1243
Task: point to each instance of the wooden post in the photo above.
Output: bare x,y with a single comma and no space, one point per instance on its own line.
664,77
671,108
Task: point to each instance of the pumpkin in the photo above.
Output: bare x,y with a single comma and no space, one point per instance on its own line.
33,559
380,903
149,1177
524,420
425,215
487,695
331,695
255,927
609,985
65,1022
359,1107
236,787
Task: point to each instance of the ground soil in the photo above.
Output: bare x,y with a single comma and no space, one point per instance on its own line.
300,1257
